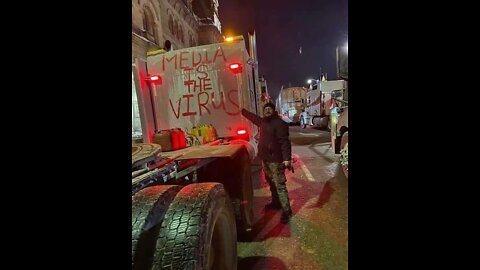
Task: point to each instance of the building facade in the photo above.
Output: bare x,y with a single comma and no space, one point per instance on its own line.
185,23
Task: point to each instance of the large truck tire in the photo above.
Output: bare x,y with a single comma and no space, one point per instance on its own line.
235,175
246,195
320,122
198,231
324,122
240,187
149,206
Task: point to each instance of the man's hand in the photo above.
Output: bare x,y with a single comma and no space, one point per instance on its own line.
288,165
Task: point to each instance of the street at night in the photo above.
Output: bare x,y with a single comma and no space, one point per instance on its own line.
317,235
220,88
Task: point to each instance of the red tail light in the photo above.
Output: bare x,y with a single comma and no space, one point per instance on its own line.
235,68
241,132
155,79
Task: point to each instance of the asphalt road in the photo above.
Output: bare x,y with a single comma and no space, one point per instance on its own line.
317,235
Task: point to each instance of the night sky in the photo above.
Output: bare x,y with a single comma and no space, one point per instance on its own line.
282,27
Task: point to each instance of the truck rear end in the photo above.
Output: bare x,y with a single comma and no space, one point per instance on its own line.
207,188
320,101
207,84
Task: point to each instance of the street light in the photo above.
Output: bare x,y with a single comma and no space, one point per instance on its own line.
312,83
342,59
309,81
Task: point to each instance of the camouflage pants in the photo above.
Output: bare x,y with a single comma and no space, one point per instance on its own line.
275,176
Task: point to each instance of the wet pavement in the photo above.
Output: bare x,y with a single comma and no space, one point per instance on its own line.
317,235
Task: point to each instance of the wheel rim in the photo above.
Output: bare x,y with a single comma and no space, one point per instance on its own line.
220,249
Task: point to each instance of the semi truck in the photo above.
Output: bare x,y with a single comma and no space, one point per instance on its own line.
320,101
190,205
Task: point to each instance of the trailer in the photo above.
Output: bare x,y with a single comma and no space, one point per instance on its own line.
190,205
320,101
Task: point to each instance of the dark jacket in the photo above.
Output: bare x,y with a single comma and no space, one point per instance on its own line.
274,144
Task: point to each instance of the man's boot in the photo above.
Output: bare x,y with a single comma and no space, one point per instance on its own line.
286,215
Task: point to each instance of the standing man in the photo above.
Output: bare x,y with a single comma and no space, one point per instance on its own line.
275,151
303,117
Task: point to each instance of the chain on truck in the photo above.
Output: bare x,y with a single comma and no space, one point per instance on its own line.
191,203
